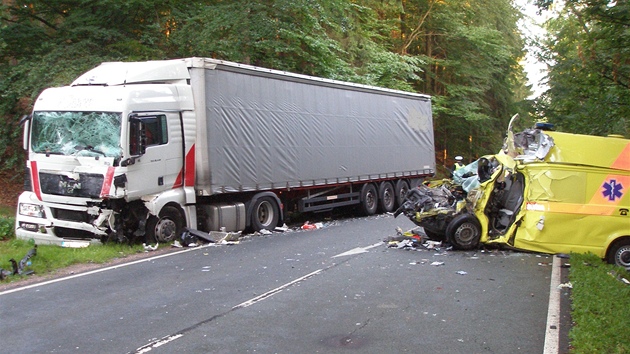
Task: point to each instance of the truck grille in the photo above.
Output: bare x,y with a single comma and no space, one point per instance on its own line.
70,215
87,186
73,234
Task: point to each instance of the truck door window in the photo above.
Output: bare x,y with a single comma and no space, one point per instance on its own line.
145,132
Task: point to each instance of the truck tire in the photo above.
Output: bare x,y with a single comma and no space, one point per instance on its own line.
369,199
464,232
401,189
167,227
619,253
265,214
386,197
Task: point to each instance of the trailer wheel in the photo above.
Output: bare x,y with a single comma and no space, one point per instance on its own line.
369,199
464,232
386,197
165,228
402,188
619,253
265,214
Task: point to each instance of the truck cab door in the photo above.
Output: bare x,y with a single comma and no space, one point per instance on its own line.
155,155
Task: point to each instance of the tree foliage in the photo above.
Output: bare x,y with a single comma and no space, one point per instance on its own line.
472,50
588,52
463,53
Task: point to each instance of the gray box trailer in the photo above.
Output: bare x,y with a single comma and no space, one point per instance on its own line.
266,130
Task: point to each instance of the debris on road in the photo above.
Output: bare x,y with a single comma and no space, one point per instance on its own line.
565,286
414,239
308,226
19,268
149,248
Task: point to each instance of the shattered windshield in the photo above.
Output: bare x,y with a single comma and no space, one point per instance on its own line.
77,133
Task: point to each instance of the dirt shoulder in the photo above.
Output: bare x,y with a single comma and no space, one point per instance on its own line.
11,186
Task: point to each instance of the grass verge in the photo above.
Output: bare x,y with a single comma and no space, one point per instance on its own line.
51,258
600,306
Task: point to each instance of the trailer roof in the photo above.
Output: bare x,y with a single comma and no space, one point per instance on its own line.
125,73
209,63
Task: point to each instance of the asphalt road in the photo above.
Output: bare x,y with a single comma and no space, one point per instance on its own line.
338,289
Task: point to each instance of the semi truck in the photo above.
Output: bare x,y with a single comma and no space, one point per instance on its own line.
144,150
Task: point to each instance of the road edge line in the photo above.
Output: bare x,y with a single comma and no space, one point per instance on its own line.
116,266
552,333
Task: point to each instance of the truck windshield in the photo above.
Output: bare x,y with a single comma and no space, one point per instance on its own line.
77,133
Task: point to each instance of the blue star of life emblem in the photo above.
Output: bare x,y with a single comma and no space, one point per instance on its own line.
612,190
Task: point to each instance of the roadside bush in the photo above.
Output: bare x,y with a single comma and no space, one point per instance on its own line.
6,228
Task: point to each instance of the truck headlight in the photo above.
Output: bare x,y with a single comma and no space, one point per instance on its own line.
33,210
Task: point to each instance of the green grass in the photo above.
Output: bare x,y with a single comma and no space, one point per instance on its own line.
600,306
51,258
7,211
7,223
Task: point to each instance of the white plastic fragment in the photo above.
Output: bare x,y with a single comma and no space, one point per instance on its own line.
432,244
565,286
282,228
436,263
176,244
461,272
148,248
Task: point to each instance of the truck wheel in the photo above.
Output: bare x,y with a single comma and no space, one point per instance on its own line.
265,214
619,253
386,197
369,199
464,232
167,228
402,188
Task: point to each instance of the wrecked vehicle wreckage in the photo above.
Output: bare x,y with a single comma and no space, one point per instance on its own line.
445,208
545,191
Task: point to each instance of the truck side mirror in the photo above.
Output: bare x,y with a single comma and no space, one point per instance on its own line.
26,122
137,137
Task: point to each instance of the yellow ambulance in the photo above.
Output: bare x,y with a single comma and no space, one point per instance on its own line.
546,191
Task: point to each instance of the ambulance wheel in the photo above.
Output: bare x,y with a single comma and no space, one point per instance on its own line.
619,253
265,214
402,188
464,232
369,199
386,197
165,228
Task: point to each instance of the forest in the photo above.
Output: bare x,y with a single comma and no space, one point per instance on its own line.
467,54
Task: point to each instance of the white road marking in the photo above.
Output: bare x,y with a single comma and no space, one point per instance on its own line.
357,250
158,343
552,335
275,291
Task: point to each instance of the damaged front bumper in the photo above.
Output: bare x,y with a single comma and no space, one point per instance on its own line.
63,225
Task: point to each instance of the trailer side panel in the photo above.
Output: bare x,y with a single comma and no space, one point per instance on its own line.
277,131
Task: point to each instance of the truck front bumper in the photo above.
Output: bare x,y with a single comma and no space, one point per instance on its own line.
34,221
